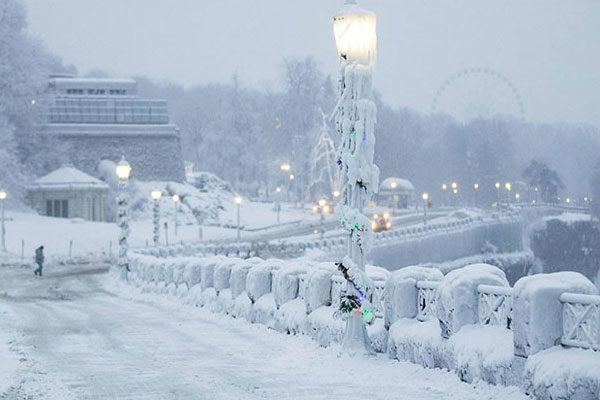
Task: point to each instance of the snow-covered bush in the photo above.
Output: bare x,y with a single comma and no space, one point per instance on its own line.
457,296
401,292
537,308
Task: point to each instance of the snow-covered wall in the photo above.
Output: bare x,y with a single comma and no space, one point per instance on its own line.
152,156
450,244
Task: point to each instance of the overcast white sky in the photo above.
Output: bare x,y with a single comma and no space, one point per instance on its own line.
549,49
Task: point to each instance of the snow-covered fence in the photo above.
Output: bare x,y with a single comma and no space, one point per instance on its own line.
426,300
581,320
495,305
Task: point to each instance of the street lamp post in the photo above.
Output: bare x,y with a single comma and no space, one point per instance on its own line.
278,203
123,170
497,185
238,201
3,229
425,197
475,197
156,195
176,200
355,115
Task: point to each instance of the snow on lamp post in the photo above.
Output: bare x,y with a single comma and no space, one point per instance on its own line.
3,229
425,197
355,113
156,195
238,201
123,170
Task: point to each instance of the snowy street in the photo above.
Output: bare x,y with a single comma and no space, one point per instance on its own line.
79,334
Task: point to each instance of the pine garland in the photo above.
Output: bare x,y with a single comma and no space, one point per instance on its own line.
358,304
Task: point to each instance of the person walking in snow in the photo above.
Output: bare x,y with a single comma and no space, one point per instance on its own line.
39,259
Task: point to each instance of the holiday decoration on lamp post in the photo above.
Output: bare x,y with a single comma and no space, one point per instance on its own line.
123,171
355,113
3,228
156,195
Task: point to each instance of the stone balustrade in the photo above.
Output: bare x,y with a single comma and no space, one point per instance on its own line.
469,320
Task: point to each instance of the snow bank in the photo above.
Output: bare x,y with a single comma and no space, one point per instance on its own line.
401,292
537,308
558,373
457,296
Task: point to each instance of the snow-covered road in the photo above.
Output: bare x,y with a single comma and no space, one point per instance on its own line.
79,334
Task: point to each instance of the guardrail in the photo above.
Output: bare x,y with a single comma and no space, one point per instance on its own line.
581,320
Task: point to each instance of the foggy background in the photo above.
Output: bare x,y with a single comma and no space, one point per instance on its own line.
549,49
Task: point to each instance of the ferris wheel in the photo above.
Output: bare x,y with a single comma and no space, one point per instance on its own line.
474,93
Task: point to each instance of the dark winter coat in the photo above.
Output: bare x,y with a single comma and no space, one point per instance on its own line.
39,255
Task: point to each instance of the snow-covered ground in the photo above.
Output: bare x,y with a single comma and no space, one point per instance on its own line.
83,335
96,237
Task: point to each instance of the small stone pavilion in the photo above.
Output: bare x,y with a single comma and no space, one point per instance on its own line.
396,192
69,193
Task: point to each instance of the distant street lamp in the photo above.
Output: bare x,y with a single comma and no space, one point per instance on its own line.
156,195
238,201
568,200
425,197
176,200
454,185
3,229
123,170
497,185
475,197
517,197
285,167
355,114
278,203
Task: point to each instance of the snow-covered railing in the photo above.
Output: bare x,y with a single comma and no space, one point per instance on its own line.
426,300
495,305
581,320
379,298
333,243
556,206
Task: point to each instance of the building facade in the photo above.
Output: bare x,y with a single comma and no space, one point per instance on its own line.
104,119
69,193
